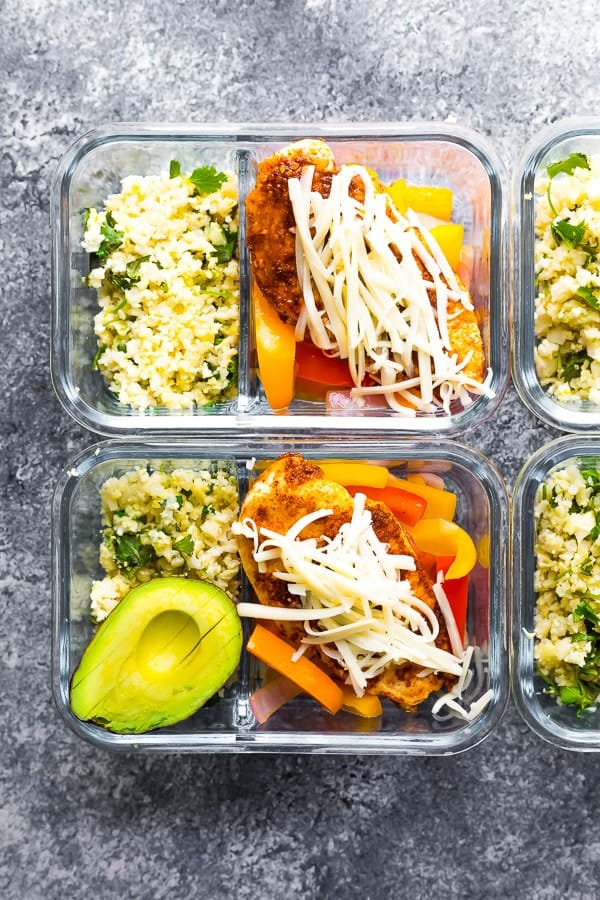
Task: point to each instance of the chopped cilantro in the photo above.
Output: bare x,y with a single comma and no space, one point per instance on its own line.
568,165
97,355
179,498
131,553
174,169
225,251
113,238
232,370
565,233
185,545
122,346
587,566
584,611
207,180
208,510
86,216
133,267
164,286
589,297
186,492
131,276
581,695
570,368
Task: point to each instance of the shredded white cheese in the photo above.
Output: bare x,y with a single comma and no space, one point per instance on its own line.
366,299
357,595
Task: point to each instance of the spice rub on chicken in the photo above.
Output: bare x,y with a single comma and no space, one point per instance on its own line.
382,297
292,488
270,222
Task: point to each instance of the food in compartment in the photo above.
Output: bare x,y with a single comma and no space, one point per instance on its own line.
343,585
166,522
164,263
567,274
167,648
168,634
358,278
567,583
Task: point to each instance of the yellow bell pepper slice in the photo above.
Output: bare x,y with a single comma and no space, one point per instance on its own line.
276,349
398,193
440,503
355,473
368,706
483,550
449,237
434,201
442,538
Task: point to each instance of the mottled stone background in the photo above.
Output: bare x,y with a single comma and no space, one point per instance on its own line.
513,817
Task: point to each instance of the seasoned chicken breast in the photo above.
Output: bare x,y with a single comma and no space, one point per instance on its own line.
272,243
292,487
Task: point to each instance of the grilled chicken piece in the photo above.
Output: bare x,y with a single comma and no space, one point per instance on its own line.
270,221
292,487
272,243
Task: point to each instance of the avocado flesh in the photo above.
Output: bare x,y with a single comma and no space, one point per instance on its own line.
163,652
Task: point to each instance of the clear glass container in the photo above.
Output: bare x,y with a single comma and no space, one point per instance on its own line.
423,153
301,726
552,144
557,724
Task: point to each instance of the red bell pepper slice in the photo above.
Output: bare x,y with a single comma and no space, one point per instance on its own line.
408,508
457,592
312,365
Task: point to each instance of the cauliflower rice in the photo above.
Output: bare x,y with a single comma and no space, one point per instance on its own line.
158,523
167,277
567,584
567,267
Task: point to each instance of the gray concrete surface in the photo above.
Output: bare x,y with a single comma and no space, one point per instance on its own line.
513,817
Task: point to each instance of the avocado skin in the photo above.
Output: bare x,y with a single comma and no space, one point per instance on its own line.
115,684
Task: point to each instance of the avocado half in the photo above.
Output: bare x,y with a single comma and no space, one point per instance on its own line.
163,652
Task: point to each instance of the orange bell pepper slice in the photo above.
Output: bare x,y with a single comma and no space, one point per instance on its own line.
277,653
276,350
443,538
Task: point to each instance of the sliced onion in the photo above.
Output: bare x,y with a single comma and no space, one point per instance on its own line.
272,696
433,480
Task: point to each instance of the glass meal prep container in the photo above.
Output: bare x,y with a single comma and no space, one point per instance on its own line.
301,726
558,724
552,145
426,154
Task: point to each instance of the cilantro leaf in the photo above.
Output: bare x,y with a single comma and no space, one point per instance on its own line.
185,545
207,180
589,297
232,371
131,276
580,695
568,165
174,169
133,267
225,251
565,233
131,553
584,611
571,366
113,238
